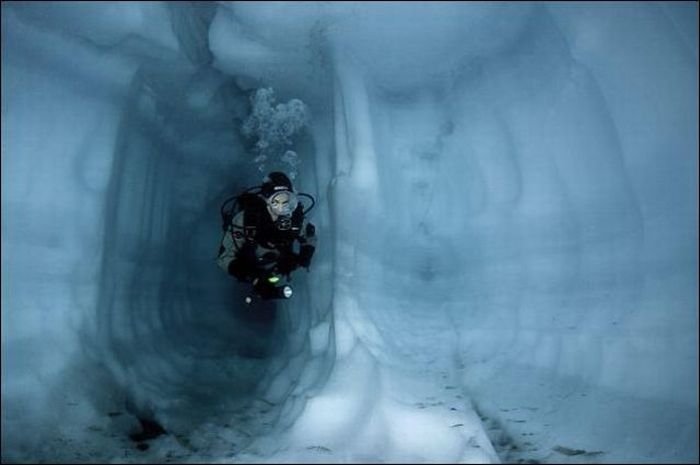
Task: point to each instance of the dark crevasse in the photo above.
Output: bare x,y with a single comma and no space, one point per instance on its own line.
172,328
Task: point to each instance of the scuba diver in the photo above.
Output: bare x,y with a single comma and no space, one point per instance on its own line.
266,236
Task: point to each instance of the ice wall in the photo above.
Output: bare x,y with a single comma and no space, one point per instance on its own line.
508,207
119,145
522,183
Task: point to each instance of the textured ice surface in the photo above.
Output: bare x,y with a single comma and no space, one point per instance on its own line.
507,215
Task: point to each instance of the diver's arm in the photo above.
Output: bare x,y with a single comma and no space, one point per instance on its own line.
236,255
307,243
237,231
243,267
227,251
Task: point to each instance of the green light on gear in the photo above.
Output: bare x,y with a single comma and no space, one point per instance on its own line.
273,279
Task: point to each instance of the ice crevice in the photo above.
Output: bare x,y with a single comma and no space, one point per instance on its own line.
506,206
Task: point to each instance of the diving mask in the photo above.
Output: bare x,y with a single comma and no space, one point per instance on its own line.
281,205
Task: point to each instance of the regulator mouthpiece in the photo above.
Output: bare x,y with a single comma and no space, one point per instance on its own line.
284,223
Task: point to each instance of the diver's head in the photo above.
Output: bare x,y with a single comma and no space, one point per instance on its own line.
280,198
281,205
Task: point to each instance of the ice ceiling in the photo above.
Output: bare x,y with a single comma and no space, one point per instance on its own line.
507,211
